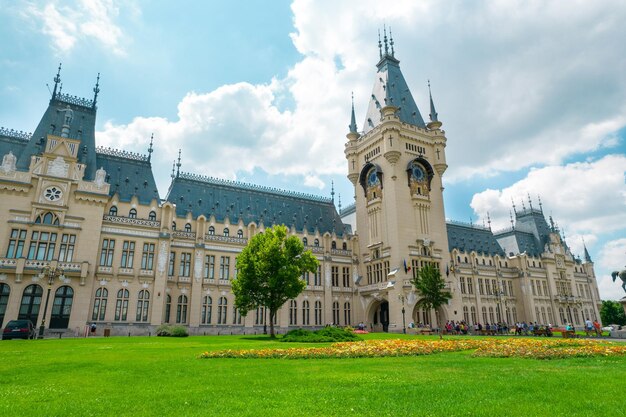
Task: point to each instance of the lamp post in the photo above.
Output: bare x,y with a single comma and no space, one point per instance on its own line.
401,297
51,273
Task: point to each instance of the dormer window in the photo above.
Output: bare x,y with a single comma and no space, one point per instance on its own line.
173,225
132,213
211,230
333,245
226,231
344,246
187,227
240,234
152,216
316,243
305,241
113,211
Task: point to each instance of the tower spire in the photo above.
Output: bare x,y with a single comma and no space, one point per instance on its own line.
530,202
352,126
380,46
540,205
489,220
391,42
150,150
173,175
512,223
96,90
339,195
332,191
178,165
514,208
587,256
57,80
433,112
385,40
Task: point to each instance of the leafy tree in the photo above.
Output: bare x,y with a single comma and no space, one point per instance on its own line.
612,312
430,287
269,270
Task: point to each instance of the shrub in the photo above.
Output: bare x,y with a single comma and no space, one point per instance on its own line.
327,334
164,330
173,331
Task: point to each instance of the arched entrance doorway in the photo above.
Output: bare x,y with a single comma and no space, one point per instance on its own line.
31,300
380,316
62,307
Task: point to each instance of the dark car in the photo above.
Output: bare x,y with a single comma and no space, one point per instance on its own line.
19,329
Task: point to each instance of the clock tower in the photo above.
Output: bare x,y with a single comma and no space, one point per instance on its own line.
396,164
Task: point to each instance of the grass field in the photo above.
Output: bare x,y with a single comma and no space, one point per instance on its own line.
144,376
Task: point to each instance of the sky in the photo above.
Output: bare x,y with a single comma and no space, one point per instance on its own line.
532,95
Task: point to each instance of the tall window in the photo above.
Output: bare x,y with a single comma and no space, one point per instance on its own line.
226,231
346,276
132,213
318,313
485,318
209,266
181,309
466,314
113,211
305,277
121,305
61,307
293,313
143,303
259,317
66,251
211,230
305,313
147,257
185,264
462,283
106,254
16,243
170,269
347,319
470,285
152,216
225,267
236,315
31,300
317,278
333,245
168,308
100,304
473,313
174,226
42,246
511,288
207,309
128,254
187,227
222,310
4,300
336,313
492,318
240,234
305,241
316,243
335,275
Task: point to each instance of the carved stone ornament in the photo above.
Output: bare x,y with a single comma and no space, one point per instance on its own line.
8,163
58,167
101,175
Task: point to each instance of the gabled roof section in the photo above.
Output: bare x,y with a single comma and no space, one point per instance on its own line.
470,237
129,174
252,203
390,89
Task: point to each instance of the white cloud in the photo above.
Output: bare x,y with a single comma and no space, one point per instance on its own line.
67,24
612,258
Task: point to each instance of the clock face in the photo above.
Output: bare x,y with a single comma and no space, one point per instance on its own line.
418,173
372,178
53,194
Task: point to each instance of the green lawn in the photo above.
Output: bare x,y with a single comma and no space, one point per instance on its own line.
162,376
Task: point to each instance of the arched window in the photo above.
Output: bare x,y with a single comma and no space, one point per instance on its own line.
485,318
466,317
113,211
344,246
4,301
492,318
187,227
226,231
181,309
259,318
336,313
100,304
31,300
347,318
132,213
236,315
207,309
62,307
333,245
293,313
152,216
466,259
305,313
47,218
222,310
318,313
211,230
305,241
576,317
143,304
316,243
121,305
173,225
473,314
550,316
562,315
240,234
168,308
458,259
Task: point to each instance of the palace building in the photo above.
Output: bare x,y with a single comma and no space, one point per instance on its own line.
85,236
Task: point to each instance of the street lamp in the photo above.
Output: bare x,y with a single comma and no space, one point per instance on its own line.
51,273
401,298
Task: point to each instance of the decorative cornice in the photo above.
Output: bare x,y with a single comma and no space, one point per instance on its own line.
121,154
15,134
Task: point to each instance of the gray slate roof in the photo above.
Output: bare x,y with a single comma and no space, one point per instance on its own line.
252,203
129,174
390,88
467,238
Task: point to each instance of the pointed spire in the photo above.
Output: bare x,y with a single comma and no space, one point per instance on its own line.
339,203
56,80
489,220
391,42
540,205
523,206
96,90
380,46
514,208
352,126
530,201
512,223
551,224
150,150
587,256
332,191
433,112
385,40
178,165
173,175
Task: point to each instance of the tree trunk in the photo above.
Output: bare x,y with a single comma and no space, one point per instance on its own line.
272,314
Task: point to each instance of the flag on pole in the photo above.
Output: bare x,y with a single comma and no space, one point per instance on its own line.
406,267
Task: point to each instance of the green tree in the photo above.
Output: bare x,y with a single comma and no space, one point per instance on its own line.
431,288
269,271
612,312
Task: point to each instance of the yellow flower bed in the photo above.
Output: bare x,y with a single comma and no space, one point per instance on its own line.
518,347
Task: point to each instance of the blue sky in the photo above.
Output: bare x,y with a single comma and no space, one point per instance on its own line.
531,94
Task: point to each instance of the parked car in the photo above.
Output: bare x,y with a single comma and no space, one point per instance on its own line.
19,329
